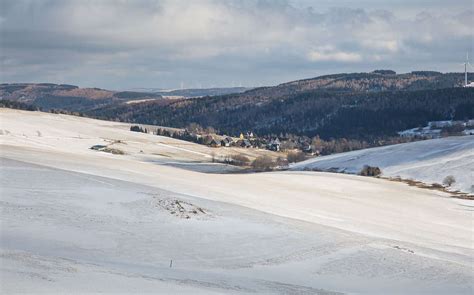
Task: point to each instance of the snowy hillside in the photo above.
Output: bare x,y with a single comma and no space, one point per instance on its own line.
429,161
76,220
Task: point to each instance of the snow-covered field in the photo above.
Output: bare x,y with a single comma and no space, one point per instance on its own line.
429,161
78,220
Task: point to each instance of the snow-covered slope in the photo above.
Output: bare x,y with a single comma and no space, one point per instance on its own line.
78,220
429,161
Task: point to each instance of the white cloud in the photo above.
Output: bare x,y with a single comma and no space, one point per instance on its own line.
337,56
383,45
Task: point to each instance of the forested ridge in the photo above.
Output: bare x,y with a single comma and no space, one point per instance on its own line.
329,114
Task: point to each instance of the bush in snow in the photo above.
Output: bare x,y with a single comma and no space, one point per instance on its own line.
370,171
436,185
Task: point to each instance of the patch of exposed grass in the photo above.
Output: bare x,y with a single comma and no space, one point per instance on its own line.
433,186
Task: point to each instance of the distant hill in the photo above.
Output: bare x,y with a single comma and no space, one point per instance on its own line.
67,97
200,92
379,80
72,98
359,106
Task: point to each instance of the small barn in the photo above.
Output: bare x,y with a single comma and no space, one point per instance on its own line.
274,145
245,143
214,143
228,141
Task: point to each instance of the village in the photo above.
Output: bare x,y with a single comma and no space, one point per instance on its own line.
207,136
285,149
294,148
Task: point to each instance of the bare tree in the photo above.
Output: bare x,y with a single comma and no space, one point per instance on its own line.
449,180
194,128
281,162
263,163
240,160
296,156
210,130
213,156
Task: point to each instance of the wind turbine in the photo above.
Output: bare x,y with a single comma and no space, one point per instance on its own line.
466,63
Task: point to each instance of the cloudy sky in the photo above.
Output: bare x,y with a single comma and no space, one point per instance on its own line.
165,44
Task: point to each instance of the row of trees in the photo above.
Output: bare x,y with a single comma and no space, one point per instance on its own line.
17,105
261,163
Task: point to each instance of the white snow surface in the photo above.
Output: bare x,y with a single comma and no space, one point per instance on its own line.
429,161
74,220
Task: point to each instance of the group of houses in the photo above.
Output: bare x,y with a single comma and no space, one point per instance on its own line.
434,129
245,140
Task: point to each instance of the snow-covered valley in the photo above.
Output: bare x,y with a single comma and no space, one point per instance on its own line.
78,220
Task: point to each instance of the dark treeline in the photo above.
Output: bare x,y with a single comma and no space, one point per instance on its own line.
69,103
17,105
5,103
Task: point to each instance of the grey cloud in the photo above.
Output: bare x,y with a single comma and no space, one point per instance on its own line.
125,44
